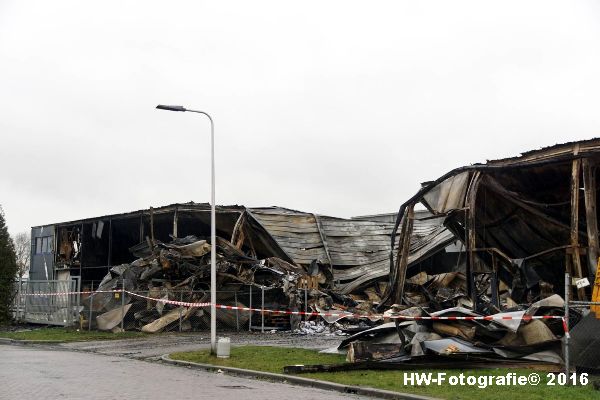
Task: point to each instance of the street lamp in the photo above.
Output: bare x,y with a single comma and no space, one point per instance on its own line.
213,234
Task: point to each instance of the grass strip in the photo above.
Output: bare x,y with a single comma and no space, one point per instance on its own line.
67,335
273,359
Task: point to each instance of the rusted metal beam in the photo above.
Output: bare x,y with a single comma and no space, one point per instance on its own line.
591,216
493,250
471,242
241,235
152,225
237,235
494,283
393,286
576,257
325,247
547,251
509,259
403,252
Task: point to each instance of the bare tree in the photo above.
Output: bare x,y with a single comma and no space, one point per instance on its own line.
22,243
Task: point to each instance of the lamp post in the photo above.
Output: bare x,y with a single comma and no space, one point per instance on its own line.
213,234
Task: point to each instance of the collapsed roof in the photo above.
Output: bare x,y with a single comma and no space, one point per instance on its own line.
523,221
353,253
357,250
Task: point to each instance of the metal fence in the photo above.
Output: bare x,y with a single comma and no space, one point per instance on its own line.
121,309
156,310
66,303
55,302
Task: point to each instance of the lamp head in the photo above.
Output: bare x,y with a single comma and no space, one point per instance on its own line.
170,108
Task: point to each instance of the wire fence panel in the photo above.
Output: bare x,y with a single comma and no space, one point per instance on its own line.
247,308
55,302
154,310
176,310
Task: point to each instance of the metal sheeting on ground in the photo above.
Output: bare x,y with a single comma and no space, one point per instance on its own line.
448,346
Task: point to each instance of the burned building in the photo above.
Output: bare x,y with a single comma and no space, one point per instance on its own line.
342,264
87,248
519,227
353,254
523,223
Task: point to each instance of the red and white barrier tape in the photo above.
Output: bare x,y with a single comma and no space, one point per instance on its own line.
70,293
323,314
565,322
391,316
165,301
347,314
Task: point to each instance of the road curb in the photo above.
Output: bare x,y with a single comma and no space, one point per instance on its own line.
21,341
297,380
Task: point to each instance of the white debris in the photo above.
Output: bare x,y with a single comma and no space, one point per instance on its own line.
312,328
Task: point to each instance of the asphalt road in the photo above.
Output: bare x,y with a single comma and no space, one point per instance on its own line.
43,373
152,347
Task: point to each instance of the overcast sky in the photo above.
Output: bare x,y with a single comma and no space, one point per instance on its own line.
335,107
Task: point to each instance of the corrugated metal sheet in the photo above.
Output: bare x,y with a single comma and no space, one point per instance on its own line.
429,236
296,232
359,249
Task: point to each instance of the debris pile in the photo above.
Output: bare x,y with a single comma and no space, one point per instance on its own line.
320,327
180,271
437,291
521,231
466,276
452,335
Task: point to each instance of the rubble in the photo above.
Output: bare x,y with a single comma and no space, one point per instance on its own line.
515,227
180,271
318,327
424,333
461,281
